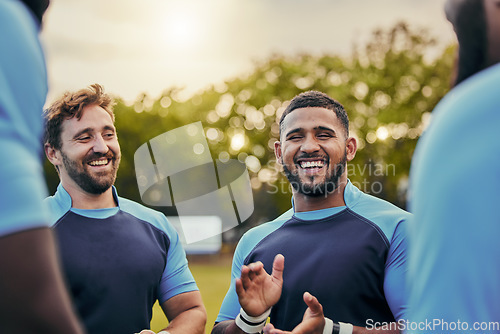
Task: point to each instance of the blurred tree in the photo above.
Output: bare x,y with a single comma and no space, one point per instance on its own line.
388,87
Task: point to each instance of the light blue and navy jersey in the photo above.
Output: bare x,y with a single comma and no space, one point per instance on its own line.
454,263
352,258
118,262
23,88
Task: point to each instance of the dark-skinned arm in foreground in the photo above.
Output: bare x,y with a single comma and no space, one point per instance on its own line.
34,297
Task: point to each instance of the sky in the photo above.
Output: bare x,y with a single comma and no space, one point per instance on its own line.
149,46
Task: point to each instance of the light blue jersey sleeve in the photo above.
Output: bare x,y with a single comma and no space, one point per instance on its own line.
230,306
393,222
177,277
396,271
23,88
455,180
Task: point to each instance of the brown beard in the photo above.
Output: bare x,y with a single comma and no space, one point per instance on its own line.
91,184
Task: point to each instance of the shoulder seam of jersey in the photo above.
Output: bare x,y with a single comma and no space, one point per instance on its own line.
262,239
148,223
60,219
373,225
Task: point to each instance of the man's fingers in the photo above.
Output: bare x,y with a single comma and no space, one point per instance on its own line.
269,329
239,287
278,267
313,303
256,268
248,274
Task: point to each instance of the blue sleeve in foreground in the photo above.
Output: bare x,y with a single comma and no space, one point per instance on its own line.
454,260
23,88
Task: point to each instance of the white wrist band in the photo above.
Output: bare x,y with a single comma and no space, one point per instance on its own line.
328,329
250,324
345,328
163,332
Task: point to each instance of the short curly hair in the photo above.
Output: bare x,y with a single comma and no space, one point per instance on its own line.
71,105
314,98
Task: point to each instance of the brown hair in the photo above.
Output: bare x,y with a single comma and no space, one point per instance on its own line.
71,105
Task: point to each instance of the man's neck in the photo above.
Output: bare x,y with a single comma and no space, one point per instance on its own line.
304,203
84,200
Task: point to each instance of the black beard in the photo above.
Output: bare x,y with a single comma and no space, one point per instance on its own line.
87,182
330,185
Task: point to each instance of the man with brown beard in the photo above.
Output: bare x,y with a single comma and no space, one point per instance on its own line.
337,247
118,256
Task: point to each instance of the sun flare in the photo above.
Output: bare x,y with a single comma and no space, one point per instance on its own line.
181,28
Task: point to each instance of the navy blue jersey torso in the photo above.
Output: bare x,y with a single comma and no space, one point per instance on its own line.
340,259
121,249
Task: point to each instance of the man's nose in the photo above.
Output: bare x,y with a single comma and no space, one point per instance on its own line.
310,145
100,145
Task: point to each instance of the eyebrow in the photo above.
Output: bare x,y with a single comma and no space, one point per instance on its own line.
323,128
291,132
90,130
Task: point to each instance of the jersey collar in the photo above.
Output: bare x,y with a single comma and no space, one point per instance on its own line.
65,202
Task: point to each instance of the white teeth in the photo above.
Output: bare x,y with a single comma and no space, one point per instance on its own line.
310,164
99,162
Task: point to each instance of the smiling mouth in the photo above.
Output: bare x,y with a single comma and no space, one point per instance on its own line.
101,162
312,164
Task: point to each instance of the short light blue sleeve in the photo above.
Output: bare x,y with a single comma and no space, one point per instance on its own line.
230,306
23,88
396,271
393,222
177,277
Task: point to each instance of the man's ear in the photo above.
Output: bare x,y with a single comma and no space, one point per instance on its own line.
351,145
52,154
277,152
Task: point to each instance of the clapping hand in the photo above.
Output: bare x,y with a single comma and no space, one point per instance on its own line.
257,290
313,321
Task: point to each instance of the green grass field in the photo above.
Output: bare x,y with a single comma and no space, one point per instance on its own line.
213,281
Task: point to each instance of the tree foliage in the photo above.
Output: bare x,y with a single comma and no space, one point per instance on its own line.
388,87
